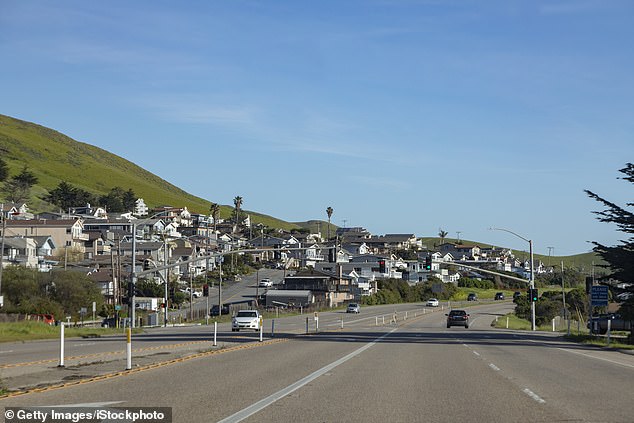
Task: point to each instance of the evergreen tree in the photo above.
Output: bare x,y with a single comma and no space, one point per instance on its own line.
18,188
4,170
621,256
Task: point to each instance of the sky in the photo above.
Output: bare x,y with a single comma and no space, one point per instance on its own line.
404,116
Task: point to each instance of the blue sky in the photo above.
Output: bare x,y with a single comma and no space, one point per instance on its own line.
403,116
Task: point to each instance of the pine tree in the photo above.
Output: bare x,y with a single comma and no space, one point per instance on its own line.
620,257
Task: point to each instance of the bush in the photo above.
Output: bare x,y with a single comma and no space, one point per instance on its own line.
393,291
475,283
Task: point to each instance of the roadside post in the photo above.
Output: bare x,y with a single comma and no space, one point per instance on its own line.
129,349
272,328
215,332
261,328
307,326
61,344
609,330
342,322
316,322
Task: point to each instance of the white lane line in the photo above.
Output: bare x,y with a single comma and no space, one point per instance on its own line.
260,405
533,395
494,367
5,352
596,358
476,353
85,344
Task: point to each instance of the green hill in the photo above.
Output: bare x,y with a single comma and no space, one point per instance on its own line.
53,157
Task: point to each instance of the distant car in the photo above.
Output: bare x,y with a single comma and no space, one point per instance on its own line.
472,297
197,294
109,322
353,308
458,318
433,302
517,294
499,296
265,283
215,310
246,319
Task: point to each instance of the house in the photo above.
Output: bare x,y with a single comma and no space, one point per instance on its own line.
89,211
20,251
329,289
461,252
18,211
65,233
140,209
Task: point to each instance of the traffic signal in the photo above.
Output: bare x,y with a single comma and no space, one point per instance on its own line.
205,290
428,263
382,266
533,294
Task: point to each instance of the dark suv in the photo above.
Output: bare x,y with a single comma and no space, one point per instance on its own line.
472,297
499,296
458,318
215,310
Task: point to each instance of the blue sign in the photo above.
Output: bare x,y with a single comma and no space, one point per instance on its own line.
599,296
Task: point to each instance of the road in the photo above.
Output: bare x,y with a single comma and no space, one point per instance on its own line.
245,289
415,370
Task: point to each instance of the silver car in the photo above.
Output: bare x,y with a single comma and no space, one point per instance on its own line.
353,308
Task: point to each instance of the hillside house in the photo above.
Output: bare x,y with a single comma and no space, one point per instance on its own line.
65,233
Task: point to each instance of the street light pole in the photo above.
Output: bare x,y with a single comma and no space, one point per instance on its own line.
132,288
532,277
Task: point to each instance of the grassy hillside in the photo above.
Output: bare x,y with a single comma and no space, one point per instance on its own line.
53,157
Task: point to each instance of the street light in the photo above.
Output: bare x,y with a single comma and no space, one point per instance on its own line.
532,279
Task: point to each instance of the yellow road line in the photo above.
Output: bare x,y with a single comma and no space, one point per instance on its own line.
140,369
77,357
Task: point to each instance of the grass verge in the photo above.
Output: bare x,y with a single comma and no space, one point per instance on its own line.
28,331
516,323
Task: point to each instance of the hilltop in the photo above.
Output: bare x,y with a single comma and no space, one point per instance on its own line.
54,157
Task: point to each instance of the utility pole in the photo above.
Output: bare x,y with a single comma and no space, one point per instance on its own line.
4,229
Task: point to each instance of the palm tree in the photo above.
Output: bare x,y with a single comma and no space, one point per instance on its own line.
214,208
442,234
329,212
238,203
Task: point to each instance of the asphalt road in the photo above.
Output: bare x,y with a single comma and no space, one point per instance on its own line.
415,370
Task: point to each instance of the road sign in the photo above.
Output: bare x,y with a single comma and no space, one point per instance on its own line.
599,296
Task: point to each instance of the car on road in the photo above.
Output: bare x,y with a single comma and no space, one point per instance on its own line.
499,296
246,319
265,283
353,308
215,310
458,318
517,294
433,302
472,297
197,294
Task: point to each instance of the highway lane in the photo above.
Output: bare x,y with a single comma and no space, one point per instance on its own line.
419,371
